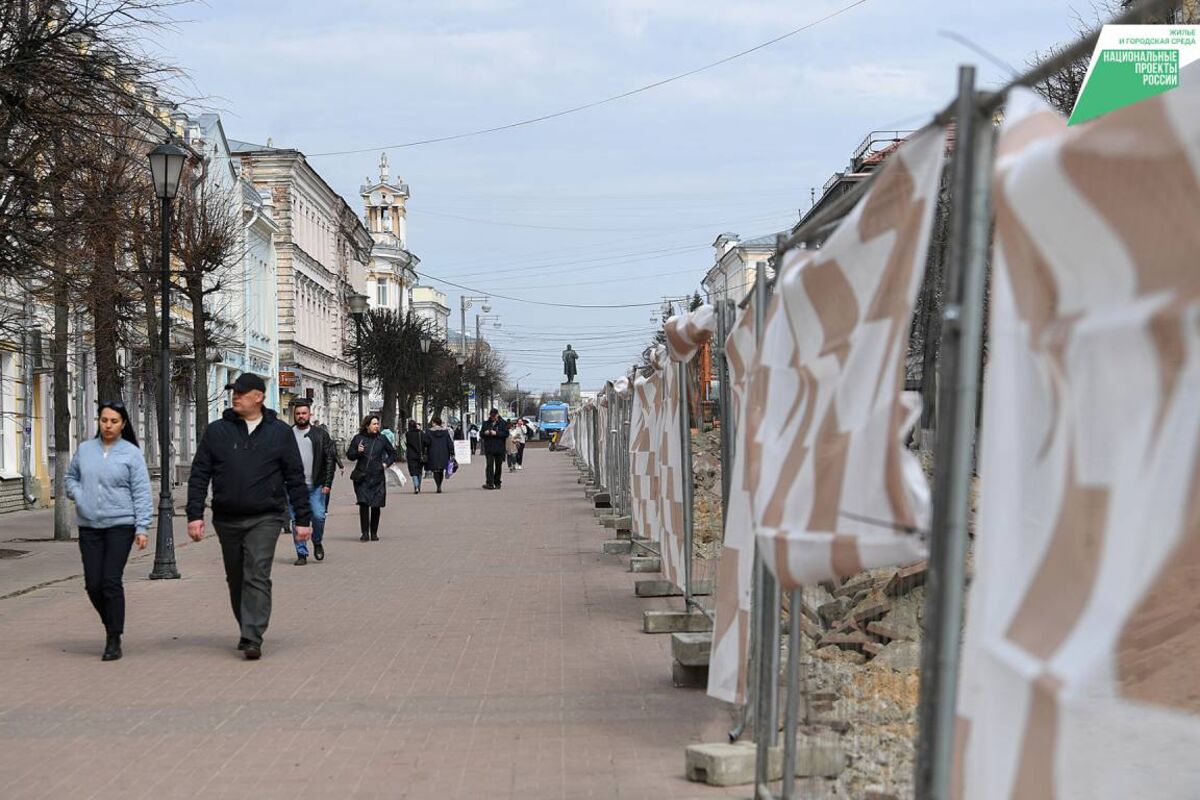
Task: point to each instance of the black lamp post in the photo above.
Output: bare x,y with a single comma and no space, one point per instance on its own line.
358,307
166,166
461,360
426,343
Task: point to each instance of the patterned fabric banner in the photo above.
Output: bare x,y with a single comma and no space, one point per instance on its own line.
686,332
834,489
735,571
1083,633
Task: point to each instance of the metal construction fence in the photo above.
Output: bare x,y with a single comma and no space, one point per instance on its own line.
836,586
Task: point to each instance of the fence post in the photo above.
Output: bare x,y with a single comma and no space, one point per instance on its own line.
725,401
766,595
959,362
792,710
685,440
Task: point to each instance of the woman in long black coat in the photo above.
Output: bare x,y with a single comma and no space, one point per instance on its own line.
439,449
371,454
414,453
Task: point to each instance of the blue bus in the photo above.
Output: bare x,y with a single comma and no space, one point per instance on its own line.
552,418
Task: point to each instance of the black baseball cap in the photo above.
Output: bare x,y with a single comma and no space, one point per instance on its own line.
247,382
301,402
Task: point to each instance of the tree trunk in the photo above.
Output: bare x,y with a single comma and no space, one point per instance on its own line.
200,348
62,407
387,414
102,298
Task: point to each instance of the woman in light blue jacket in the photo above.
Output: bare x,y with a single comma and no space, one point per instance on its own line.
108,481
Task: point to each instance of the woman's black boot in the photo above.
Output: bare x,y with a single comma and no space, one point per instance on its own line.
112,647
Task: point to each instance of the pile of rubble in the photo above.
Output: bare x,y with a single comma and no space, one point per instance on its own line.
863,649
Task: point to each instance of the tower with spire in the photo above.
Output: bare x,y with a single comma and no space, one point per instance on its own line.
391,273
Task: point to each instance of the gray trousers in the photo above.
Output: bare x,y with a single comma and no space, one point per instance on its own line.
248,548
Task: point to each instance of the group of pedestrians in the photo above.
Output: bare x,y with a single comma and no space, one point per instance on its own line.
430,451
503,442
263,473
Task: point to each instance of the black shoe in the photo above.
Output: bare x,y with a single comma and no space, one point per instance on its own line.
364,538
488,486
252,651
439,491
112,647
242,643
374,537
300,561
319,551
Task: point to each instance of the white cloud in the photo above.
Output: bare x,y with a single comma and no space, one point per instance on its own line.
634,18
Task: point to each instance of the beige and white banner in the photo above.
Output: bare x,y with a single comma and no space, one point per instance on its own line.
727,663
1081,675
834,489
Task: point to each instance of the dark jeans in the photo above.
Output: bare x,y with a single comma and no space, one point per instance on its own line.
368,518
474,446
520,452
105,551
495,464
248,548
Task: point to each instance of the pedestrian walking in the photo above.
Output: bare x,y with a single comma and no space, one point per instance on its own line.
526,434
458,433
513,443
371,454
439,449
108,481
319,456
251,458
414,454
494,435
473,435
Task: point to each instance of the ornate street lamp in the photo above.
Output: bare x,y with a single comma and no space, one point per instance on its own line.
167,162
426,343
358,307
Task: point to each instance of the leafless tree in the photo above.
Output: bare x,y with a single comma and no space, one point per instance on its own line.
208,246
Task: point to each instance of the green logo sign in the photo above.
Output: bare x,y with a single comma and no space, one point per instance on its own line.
1132,63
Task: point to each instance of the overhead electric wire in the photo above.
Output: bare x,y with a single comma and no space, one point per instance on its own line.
622,229
604,101
474,290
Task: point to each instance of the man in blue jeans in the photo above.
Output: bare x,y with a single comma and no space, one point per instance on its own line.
320,459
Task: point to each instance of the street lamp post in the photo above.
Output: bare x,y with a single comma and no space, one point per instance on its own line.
466,302
520,403
166,166
461,360
426,342
358,307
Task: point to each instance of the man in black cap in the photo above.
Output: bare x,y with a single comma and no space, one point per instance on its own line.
495,439
251,457
319,455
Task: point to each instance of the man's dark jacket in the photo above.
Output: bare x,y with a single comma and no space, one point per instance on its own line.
494,445
249,472
325,458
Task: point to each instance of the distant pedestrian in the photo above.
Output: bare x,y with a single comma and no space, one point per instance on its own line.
390,435
372,455
439,449
494,435
512,446
473,435
251,458
108,481
319,455
337,458
526,434
458,433
414,454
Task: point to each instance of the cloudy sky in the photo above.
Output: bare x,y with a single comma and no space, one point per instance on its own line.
617,204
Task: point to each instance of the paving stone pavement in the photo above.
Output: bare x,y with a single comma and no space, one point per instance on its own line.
483,648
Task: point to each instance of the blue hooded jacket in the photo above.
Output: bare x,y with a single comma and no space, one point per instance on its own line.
110,490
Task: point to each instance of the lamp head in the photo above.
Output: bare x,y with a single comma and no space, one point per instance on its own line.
425,344
166,166
357,303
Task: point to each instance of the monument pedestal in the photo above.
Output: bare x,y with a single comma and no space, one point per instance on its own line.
569,392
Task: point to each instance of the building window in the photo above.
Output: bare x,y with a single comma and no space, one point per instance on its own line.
381,296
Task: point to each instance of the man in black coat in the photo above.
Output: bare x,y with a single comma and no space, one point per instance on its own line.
494,435
252,460
319,456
